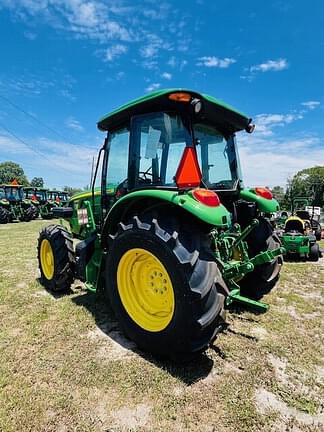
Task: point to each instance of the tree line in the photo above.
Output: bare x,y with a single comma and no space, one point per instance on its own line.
308,183
10,171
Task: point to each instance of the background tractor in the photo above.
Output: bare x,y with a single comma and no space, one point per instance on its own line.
172,237
58,198
300,232
46,204
14,205
30,194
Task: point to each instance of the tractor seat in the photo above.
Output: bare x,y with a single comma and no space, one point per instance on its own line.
295,224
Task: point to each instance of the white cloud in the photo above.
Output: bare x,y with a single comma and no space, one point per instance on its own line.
149,51
121,22
270,163
83,18
212,61
115,51
74,124
166,75
311,104
269,156
62,163
271,65
152,87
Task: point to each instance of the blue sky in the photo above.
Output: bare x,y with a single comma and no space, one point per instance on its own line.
65,63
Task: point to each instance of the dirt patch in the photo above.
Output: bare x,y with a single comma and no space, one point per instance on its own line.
267,402
279,365
42,293
259,332
131,418
116,346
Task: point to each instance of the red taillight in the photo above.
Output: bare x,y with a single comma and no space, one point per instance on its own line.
188,174
263,192
207,197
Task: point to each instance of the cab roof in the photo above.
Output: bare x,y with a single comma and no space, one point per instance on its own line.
216,112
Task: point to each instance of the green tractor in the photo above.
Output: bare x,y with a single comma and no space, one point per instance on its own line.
46,204
4,206
43,201
171,237
30,194
13,204
300,232
58,198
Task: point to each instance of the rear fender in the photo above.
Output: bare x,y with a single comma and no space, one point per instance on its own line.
135,202
264,205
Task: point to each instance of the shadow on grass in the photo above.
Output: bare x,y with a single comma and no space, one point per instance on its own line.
189,372
55,295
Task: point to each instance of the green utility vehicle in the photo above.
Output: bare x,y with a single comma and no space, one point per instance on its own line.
300,232
171,236
13,204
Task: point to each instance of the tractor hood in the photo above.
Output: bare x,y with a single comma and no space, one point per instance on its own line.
214,111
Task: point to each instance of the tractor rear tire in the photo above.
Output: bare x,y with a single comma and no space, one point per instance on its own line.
264,277
314,252
4,215
56,258
164,286
28,214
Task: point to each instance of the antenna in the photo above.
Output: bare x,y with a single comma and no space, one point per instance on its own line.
92,168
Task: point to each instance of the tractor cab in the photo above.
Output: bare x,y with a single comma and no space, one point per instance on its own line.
14,193
64,197
41,195
30,193
176,140
2,193
53,197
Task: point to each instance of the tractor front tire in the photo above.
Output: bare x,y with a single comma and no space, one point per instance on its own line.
164,286
264,277
4,215
56,258
35,212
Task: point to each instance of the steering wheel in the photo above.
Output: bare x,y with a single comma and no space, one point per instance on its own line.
144,174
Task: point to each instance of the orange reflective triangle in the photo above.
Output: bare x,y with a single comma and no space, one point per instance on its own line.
14,182
188,173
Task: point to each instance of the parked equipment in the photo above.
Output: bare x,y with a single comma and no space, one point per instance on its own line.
300,232
13,205
172,236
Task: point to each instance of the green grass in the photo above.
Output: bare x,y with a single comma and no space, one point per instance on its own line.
59,372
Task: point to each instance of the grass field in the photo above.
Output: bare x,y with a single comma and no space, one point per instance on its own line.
64,365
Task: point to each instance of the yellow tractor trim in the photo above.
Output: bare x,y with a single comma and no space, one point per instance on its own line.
145,289
47,259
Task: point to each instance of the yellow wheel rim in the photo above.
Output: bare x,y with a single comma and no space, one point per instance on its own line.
47,259
145,289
